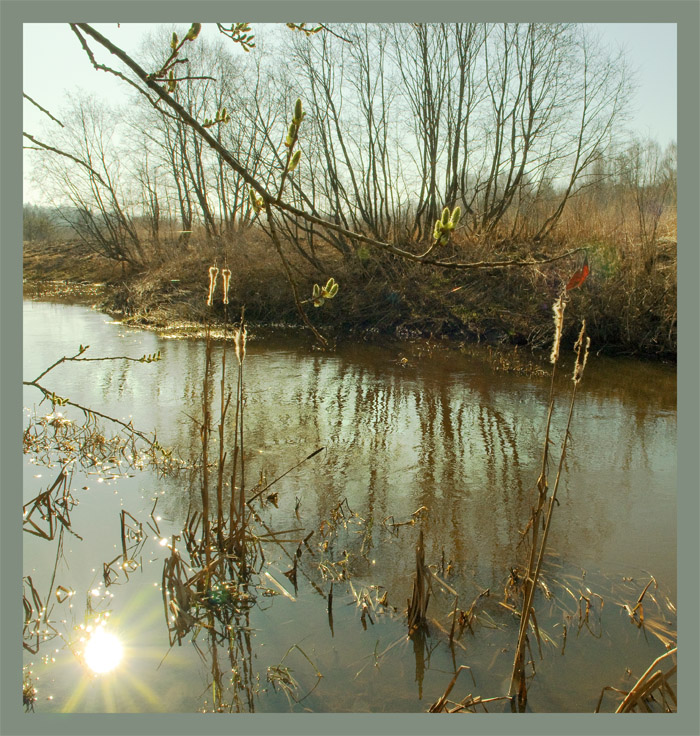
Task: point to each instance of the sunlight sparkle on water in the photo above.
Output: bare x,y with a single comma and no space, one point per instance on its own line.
103,651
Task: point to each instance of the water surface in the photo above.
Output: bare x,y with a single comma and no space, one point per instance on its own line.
404,426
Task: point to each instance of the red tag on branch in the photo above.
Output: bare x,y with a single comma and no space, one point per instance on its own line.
579,277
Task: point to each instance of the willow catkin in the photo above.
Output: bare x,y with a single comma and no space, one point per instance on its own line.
226,275
213,271
558,309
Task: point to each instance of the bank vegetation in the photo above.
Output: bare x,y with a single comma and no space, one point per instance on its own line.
520,126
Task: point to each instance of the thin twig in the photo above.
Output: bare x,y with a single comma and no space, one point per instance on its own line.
43,109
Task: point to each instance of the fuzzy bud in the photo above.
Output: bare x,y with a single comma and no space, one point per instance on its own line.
195,28
295,160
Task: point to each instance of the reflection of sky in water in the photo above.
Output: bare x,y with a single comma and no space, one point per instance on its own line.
442,432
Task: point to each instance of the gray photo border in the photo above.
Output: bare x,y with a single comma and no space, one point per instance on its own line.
13,13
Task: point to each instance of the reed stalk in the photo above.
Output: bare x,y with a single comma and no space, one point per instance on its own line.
204,433
237,510
535,562
224,404
420,597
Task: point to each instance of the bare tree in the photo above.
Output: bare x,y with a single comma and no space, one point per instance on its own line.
83,171
649,175
601,89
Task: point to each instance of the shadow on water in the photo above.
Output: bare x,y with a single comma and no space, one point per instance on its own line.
415,437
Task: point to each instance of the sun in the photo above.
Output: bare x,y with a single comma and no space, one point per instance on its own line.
103,651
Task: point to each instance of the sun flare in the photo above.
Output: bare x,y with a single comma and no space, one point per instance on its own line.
103,651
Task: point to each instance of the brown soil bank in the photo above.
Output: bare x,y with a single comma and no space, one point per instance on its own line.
628,301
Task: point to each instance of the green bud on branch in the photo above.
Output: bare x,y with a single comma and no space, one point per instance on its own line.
195,28
445,225
295,161
256,203
150,358
330,289
299,113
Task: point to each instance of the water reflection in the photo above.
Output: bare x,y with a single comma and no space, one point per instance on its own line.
437,442
103,650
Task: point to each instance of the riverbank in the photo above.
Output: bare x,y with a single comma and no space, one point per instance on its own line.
629,302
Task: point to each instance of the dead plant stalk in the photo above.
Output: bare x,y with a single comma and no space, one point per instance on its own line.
518,675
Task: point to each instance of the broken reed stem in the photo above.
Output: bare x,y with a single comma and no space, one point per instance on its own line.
418,605
531,580
644,686
237,501
542,486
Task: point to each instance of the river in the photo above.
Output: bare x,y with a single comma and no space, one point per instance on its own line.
415,436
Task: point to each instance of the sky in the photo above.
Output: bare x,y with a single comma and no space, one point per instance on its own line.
649,47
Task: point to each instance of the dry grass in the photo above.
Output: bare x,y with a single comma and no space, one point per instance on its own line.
653,692
630,297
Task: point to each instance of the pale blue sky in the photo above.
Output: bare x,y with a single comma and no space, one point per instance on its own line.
652,52
650,48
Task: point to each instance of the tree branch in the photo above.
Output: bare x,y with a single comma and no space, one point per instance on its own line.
44,110
260,189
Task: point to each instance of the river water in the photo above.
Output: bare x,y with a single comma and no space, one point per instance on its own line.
416,436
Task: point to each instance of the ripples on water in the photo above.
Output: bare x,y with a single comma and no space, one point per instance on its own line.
404,426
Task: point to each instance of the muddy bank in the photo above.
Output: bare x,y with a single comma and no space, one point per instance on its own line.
630,306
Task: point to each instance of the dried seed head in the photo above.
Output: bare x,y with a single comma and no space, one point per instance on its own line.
578,347
226,274
240,336
558,309
213,271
